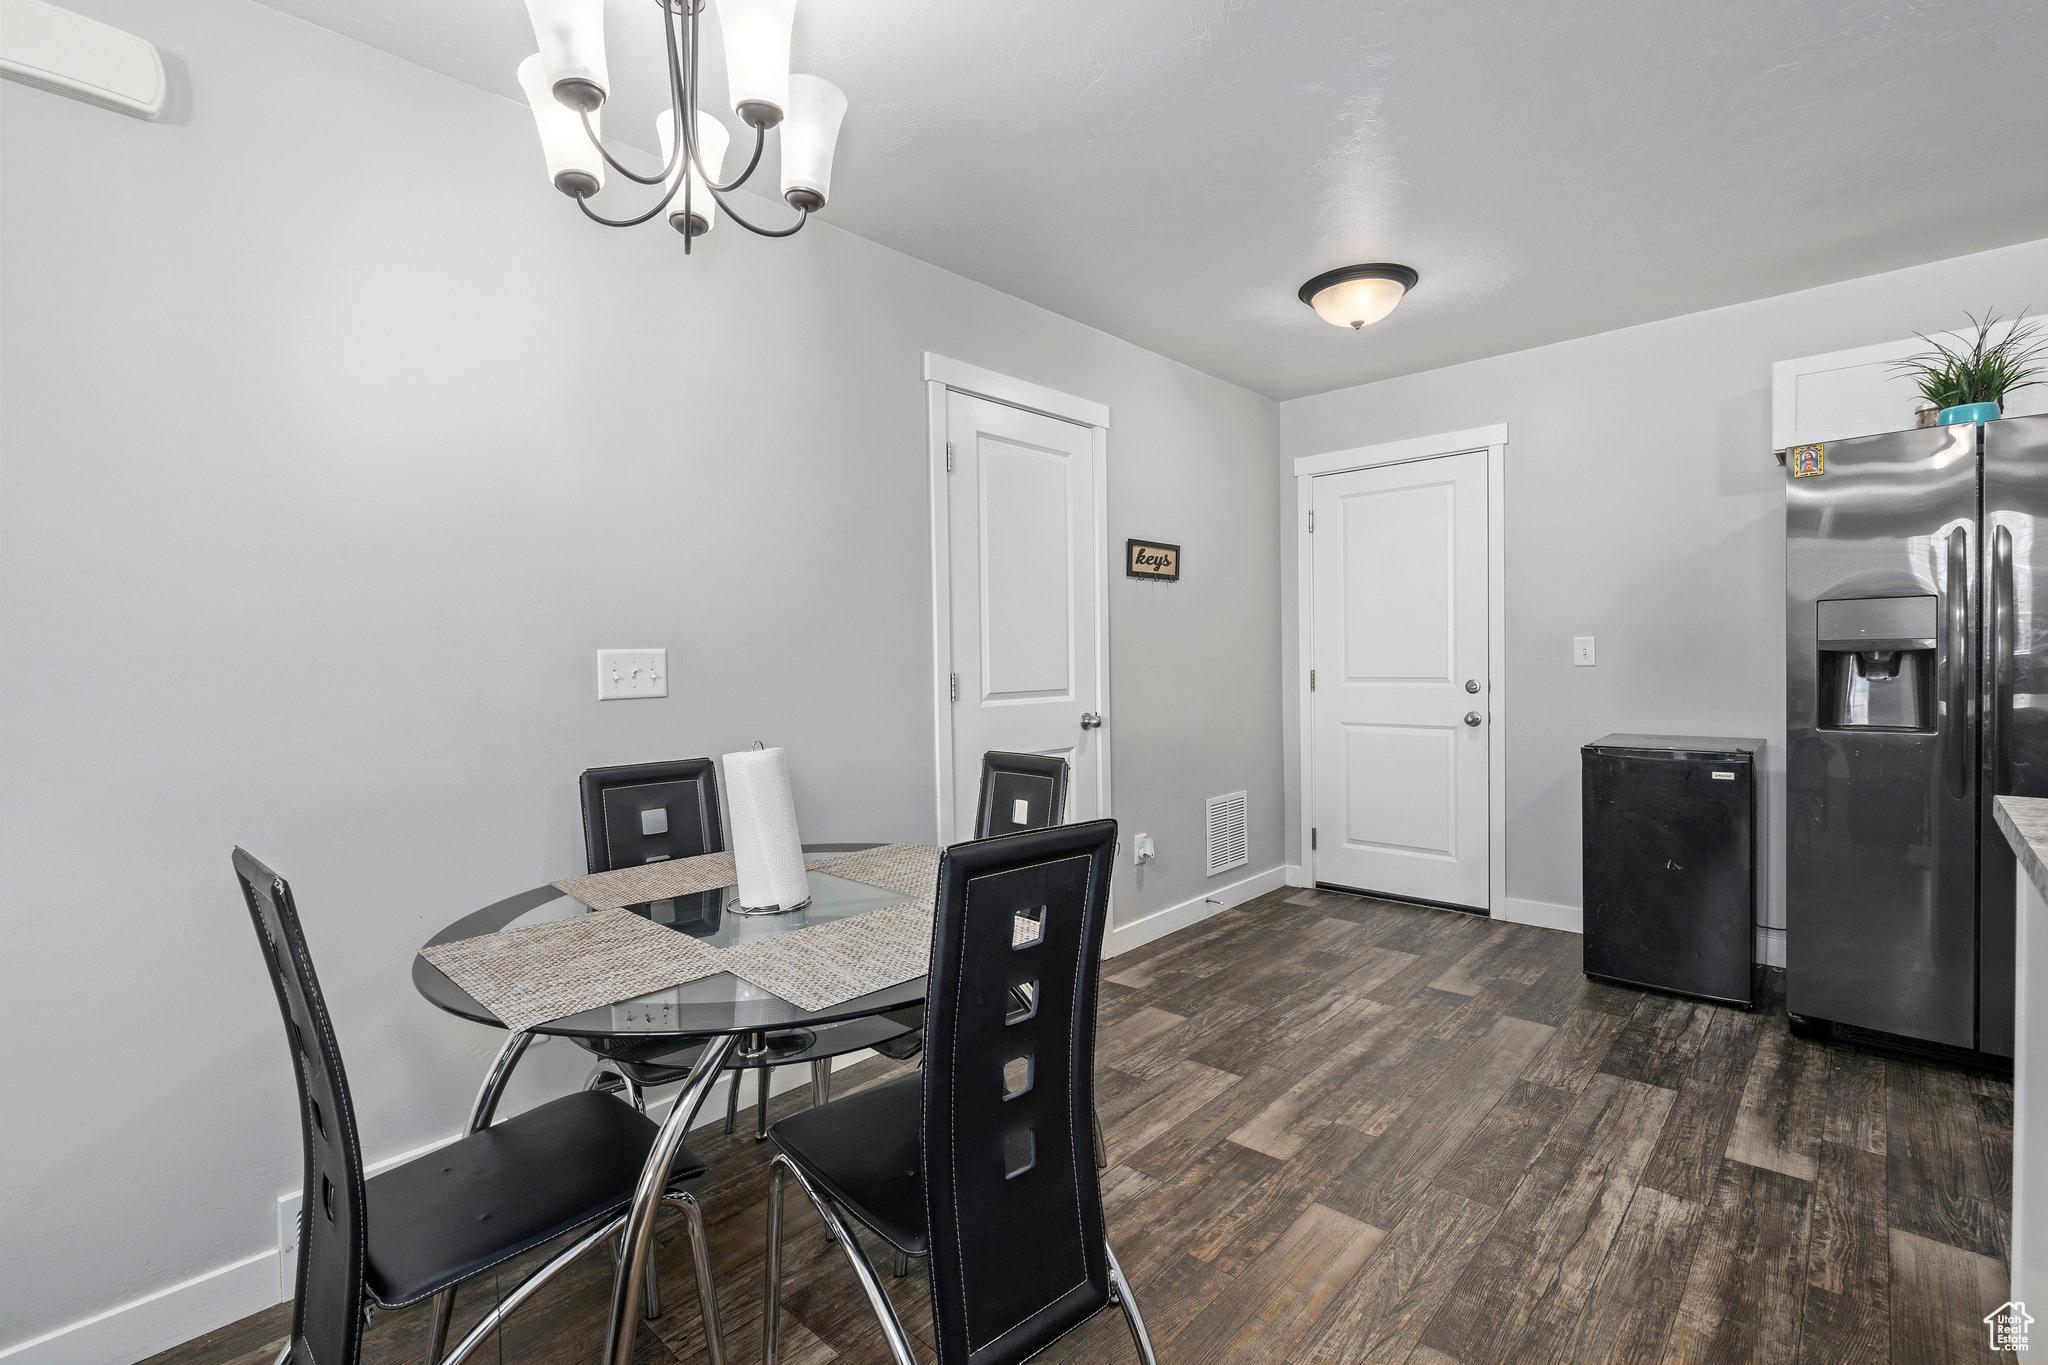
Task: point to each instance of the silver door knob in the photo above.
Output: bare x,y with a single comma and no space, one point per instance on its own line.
1472,718
1471,684
1090,720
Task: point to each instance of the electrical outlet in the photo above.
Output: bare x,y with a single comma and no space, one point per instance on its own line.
624,674
1582,651
1142,851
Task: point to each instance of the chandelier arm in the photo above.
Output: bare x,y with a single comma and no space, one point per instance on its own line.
620,166
675,152
760,141
583,202
789,231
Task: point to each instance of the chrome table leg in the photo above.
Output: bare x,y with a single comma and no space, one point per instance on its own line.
486,1106
626,1285
761,1103
821,1081
651,1291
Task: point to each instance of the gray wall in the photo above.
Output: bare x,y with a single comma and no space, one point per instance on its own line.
332,443
1643,508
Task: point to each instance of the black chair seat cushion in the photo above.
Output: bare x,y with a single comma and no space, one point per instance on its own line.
862,1152
490,1196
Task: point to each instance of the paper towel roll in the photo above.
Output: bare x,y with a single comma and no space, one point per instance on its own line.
767,851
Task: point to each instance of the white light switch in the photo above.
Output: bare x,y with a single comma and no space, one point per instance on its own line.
628,673
1582,651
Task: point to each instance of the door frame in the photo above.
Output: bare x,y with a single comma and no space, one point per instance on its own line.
1494,441
943,375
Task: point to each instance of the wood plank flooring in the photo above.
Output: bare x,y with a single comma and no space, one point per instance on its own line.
1346,1130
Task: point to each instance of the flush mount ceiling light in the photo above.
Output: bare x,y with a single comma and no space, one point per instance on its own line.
566,84
1358,294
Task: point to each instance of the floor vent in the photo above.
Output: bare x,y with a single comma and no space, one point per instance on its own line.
1227,846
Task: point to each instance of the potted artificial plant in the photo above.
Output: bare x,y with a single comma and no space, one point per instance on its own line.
1970,385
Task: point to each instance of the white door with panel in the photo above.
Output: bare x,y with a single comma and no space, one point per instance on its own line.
1025,565
1398,699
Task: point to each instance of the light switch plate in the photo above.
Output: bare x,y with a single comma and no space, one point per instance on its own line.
624,674
1582,651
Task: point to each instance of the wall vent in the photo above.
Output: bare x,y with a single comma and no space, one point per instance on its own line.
1227,844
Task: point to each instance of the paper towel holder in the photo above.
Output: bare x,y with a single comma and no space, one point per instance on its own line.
733,906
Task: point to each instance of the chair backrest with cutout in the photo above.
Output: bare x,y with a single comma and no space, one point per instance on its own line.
648,812
327,1303
1011,1190
1019,792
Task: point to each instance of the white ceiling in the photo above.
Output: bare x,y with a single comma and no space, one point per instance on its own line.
1170,171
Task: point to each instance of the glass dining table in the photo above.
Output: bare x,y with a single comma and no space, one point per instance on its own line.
739,1025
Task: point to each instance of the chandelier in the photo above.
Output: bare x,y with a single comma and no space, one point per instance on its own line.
566,85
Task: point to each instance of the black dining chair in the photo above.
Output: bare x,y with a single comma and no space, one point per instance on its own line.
980,1161
638,813
1018,792
417,1231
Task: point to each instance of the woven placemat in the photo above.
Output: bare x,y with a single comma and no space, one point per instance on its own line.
538,972
650,881
840,960
907,869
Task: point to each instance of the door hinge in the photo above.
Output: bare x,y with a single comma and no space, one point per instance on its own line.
949,457
953,685
1311,680
1311,838
1311,523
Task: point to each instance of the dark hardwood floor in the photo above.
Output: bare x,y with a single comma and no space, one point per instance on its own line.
1345,1130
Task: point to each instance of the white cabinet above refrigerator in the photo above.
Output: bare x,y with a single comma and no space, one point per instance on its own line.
1841,394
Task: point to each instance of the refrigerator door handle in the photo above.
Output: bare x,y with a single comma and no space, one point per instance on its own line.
2001,660
1955,754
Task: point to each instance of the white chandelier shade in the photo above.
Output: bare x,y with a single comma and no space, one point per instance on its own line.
757,58
575,166
712,140
571,38
810,135
567,85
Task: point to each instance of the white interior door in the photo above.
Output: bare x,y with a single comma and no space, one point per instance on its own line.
1025,563
1399,690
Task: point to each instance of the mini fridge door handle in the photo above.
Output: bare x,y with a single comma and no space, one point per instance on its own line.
1955,751
2001,660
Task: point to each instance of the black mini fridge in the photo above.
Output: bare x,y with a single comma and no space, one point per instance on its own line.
1670,851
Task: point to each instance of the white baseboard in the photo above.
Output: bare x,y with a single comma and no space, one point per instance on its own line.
1160,923
1543,914
1297,875
157,1321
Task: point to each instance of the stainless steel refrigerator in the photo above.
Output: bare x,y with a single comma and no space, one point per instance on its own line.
1914,695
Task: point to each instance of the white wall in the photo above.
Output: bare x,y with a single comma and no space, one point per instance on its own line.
1644,508
332,443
